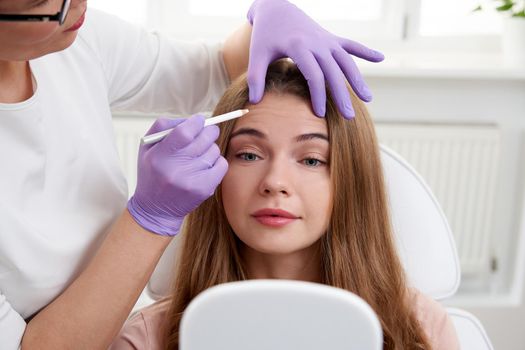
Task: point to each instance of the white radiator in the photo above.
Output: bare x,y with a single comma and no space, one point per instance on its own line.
458,162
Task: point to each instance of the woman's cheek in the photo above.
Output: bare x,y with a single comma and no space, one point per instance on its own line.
33,33
240,177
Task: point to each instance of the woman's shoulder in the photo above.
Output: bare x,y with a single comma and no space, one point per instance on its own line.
142,330
435,321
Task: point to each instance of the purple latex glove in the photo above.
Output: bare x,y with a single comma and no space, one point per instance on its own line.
176,174
281,29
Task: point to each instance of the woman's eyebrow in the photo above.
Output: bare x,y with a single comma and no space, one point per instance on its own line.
249,131
261,135
312,136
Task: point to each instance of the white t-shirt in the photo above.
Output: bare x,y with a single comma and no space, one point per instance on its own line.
61,185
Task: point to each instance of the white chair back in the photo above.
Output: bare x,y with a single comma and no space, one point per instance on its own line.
470,331
279,315
424,239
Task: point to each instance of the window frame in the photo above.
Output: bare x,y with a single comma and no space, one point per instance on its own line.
388,26
447,44
397,30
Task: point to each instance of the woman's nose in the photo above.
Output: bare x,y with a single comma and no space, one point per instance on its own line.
276,180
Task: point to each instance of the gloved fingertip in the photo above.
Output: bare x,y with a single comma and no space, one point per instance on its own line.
214,128
224,163
255,96
221,168
348,113
365,94
319,111
199,117
345,108
378,56
215,131
367,98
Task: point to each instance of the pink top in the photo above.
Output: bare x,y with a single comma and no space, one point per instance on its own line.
141,331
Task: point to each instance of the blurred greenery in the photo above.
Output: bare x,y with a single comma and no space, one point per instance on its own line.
514,8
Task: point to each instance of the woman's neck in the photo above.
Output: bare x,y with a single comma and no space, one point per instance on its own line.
304,265
16,84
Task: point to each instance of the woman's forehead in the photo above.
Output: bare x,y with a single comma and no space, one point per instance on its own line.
282,113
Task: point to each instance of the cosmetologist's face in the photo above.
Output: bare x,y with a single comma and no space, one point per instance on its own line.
277,192
23,41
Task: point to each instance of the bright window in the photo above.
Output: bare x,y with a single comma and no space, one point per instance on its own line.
212,19
455,17
327,10
433,23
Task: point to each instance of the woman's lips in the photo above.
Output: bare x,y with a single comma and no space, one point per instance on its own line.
78,24
274,221
274,217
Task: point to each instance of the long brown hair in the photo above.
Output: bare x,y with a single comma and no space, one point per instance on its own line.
357,252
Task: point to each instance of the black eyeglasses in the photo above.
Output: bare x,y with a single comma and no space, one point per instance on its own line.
60,17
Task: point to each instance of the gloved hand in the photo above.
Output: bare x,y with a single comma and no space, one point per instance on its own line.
176,174
280,29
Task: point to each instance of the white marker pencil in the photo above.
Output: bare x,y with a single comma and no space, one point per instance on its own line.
156,137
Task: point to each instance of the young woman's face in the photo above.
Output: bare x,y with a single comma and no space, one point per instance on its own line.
277,193
28,40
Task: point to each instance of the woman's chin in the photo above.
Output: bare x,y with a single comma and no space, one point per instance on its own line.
65,41
276,247
68,40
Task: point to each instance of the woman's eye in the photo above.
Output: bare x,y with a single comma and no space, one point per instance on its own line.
250,157
313,162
